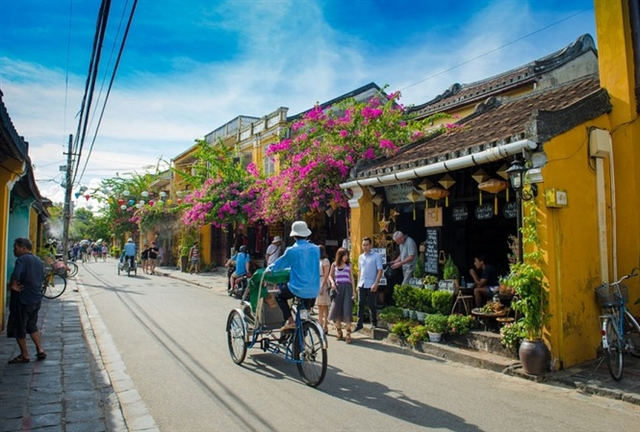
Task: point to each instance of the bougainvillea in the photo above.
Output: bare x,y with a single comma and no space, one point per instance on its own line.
325,145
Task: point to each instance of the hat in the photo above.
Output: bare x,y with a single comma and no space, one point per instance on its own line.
300,229
129,240
243,248
276,239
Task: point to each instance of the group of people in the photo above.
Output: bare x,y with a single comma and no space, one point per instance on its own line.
150,255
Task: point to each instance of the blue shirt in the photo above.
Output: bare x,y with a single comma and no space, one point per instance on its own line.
241,260
29,271
130,249
302,258
369,265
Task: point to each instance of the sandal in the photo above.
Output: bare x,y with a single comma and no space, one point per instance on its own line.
339,337
19,359
42,355
348,338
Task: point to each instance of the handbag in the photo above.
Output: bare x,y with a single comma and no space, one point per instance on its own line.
333,293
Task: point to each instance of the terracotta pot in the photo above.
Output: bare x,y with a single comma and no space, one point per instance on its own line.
535,357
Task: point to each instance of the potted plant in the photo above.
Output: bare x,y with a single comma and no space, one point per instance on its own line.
390,315
450,271
430,282
511,335
528,282
418,268
436,324
458,324
423,303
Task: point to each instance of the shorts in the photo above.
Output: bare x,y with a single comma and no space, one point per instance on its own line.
235,275
195,260
23,319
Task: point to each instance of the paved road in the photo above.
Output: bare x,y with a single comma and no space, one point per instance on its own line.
171,338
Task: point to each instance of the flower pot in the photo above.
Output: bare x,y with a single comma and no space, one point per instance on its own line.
431,287
434,337
420,316
406,313
535,356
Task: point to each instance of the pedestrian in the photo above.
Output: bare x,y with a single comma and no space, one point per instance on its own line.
96,251
341,281
407,257
273,251
304,281
75,251
370,267
485,279
323,301
153,257
144,257
105,251
194,258
25,286
160,255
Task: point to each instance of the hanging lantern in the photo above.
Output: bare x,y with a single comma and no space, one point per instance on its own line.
160,203
393,214
125,193
120,201
144,194
163,194
494,186
377,200
179,200
152,202
123,207
87,196
141,202
480,176
436,193
413,197
447,181
425,184
384,224
169,201
132,202
77,194
138,206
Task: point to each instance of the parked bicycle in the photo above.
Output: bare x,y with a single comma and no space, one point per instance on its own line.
55,280
620,330
72,267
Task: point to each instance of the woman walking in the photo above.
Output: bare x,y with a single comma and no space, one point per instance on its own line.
324,300
341,280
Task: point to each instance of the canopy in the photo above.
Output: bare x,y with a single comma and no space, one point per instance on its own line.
277,277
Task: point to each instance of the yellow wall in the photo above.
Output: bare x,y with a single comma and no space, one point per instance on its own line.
362,221
205,242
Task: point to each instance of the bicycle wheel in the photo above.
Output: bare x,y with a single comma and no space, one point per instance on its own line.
632,334
72,269
614,350
311,355
236,337
54,286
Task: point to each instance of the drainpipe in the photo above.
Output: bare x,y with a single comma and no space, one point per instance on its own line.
599,148
485,156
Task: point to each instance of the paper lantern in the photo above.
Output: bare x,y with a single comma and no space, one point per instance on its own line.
480,176
436,193
377,200
160,203
163,194
138,206
89,207
132,202
77,194
141,202
125,193
87,196
123,207
120,201
494,186
169,201
152,202
425,184
502,171
144,194
447,181
413,197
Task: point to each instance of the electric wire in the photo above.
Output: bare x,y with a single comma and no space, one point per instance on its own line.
113,76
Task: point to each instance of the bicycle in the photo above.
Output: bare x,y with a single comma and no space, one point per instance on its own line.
55,281
257,324
620,330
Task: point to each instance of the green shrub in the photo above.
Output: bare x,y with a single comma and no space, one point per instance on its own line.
391,314
436,323
459,324
115,251
418,334
400,296
442,301
403,328
423,301
512,334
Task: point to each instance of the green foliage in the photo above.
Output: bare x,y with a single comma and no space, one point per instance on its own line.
442,301
115,251
450,270
403,328
423,302
391,314
458,324
418,268
436,323
528,280
430,280
400,296
512,334
418,334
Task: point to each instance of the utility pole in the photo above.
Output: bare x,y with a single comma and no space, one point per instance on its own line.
66,215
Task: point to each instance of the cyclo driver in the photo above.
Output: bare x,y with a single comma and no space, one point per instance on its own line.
304,280
130,252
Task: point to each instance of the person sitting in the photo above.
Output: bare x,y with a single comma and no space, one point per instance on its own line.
302,259
485,278
243,266
130,252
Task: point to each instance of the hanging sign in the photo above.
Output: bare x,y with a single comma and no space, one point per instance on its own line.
433,217
484,211
510,210
460,213
431,252
398,193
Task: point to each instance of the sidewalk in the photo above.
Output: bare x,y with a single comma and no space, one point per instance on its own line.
590,378
81,386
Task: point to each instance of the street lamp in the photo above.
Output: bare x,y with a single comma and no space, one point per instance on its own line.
516,173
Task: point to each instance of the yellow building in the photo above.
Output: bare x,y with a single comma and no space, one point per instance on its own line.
561,123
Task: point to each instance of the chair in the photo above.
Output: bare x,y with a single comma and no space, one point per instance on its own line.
463,299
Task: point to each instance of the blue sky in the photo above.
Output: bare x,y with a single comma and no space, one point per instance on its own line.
189,66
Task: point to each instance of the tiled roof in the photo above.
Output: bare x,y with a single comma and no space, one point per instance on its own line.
465,94
537,116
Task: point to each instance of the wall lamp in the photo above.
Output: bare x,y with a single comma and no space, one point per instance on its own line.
517,173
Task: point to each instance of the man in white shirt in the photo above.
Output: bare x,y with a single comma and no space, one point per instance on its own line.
370,266
408,254
274,250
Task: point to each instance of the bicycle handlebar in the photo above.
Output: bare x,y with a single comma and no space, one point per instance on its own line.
629,276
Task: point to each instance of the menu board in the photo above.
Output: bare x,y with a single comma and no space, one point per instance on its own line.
459,213
484,211
431,253
510,210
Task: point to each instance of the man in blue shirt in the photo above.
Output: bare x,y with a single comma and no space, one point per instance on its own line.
26,297
130,252
370,267
303,258
243,266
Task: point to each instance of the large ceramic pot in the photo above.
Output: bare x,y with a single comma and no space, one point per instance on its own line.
535,356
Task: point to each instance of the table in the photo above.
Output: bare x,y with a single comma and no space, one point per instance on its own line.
487,318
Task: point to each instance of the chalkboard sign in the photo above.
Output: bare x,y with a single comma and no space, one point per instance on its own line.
447,285
460,213
484,211
431,253
510,210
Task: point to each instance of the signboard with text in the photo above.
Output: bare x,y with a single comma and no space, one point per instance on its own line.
398,193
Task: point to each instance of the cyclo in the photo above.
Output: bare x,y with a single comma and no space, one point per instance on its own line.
256,324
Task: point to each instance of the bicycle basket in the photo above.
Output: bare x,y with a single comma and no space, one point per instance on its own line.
607,294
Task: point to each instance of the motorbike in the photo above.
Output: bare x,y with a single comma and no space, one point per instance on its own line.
241,285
